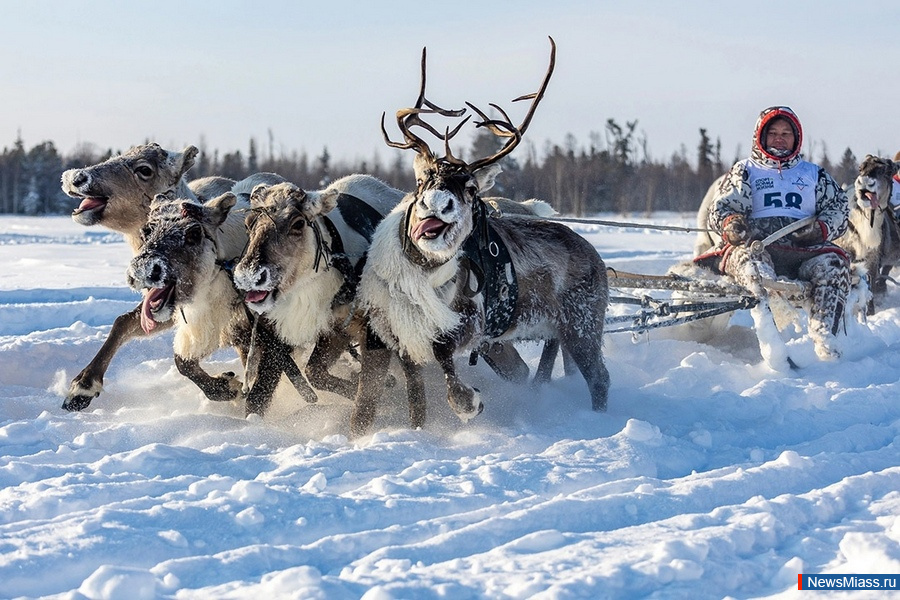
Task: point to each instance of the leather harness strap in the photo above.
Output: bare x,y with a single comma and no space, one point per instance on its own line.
488,268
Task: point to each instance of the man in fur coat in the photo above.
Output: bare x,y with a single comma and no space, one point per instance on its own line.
762,194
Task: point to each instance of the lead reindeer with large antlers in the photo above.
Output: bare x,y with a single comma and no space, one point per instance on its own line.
443,278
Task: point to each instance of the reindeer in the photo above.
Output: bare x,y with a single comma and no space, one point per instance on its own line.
301,266
873,234
442,278
117,194
183,271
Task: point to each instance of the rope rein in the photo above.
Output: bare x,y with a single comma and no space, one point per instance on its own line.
632,225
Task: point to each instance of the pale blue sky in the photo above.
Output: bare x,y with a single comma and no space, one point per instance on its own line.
117,73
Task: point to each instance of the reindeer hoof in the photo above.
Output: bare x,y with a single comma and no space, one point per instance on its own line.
467,407
80,395
78,402
227,387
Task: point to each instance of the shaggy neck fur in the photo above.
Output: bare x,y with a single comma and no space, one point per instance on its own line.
396,291
303,311
204,324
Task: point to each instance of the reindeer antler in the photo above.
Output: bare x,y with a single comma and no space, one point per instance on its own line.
503,127
409,117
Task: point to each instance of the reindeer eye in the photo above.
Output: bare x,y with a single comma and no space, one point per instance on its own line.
193,236
143,171
298,225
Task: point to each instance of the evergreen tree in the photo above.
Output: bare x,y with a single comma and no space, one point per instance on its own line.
252,160
41,169
845,172
705,157
233,166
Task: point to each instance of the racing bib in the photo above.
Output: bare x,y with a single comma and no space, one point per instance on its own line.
789,193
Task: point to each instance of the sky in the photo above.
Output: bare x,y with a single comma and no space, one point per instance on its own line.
304,76
711,475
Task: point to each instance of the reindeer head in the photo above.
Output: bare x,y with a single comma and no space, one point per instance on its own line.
441,211
117,192
178,256
873,184
285,244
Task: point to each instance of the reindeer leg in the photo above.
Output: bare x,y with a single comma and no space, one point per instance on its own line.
327,350
415,388
375,358
545,366
464,400
221,388
88,384
586,352
569,365
274,357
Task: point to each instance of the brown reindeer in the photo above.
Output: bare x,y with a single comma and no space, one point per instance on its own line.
301,266
184,272
117,194
443,279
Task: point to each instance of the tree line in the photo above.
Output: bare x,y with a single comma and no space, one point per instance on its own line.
613,172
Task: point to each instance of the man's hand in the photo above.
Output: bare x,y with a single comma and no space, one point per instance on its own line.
812,234
736,231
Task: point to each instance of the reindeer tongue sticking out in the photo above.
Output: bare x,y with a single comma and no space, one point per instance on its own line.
152,301
254,296
872,197
90,204
428,228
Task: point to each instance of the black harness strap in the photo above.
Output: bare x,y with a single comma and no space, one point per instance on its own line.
360,216
487,259
341,262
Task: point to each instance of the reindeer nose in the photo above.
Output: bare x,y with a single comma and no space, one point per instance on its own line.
155,273
150,272
263,278
79,179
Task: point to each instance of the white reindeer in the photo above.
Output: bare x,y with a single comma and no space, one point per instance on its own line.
873,235
431,292
117,194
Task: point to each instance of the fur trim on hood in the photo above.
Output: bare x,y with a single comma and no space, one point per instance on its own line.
759,152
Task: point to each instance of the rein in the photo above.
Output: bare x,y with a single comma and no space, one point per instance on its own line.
633,225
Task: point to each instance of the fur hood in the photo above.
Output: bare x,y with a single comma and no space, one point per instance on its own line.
758,151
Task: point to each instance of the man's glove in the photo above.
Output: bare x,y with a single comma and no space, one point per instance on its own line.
736,231
812,234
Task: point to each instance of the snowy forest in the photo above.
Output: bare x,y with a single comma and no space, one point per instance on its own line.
613,172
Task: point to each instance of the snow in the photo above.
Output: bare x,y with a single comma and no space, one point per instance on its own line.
710,476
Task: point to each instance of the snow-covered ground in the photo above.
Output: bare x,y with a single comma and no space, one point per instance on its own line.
710,476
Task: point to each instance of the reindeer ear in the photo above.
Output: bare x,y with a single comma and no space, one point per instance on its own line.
315,204
485,177
216,210
185,160
258,195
